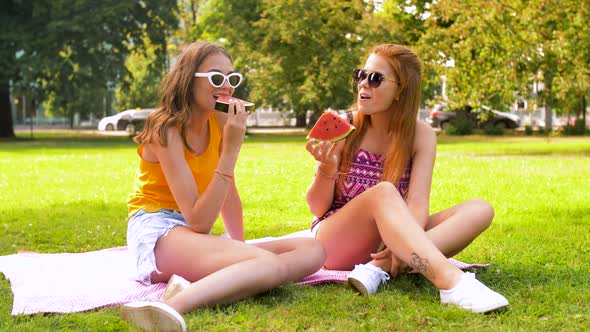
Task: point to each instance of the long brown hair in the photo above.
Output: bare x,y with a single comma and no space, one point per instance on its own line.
176,94
407,69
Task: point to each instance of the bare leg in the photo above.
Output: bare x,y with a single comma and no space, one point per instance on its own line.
224,271
356,230
451,231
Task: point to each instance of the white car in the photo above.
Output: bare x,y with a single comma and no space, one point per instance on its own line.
125,120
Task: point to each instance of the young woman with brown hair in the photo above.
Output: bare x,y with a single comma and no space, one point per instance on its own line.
374,188
187,156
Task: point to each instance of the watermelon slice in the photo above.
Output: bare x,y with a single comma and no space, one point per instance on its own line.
330,127
222,104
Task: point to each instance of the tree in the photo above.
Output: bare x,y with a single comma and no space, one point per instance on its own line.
297,54
404,22
572,85
65,49
231,23
468,43
140,88
11,35
314,46
499,49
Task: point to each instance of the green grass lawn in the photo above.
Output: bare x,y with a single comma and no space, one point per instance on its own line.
69,195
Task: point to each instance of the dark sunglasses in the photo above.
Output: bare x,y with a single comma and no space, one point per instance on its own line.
217,79
374,79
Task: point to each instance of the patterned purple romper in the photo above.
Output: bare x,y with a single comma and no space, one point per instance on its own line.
365,172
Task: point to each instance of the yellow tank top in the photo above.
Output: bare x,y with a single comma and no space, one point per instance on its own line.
152,192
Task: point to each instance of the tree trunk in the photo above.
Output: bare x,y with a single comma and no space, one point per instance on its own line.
6,125
584,110
71,116
315,115
548,117
300,120
548,100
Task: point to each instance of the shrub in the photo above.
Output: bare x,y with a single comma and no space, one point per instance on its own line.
579,128
135,128
493,130
460,126
542,131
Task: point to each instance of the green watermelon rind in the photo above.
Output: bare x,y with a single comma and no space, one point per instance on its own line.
340,137
223,106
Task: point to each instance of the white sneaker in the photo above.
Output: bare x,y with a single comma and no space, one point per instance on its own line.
365,278
175,285
153,316
472,295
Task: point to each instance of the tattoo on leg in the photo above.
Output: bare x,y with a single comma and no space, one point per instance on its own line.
422,266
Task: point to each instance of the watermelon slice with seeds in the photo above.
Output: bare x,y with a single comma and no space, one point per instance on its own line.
222,103
330,127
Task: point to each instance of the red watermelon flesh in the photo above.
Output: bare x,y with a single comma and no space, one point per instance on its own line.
330,127
222,103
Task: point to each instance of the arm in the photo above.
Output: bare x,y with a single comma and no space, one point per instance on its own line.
320,193
424,153
201,212
231,211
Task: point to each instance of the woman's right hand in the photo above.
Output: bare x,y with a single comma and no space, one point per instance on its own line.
235,127
396,265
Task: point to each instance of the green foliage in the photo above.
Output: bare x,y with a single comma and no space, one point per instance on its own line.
139,89
70,52
500,48
537,243
460,126
136,128
408,17
297,54
542,131
315,45
466,42
528,130
231,23
492,130
578,129
405,22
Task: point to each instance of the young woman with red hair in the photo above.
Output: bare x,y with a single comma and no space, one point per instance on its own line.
374,187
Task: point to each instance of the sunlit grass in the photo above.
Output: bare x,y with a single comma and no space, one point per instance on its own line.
69,194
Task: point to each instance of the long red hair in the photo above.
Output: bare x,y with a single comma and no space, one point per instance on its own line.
407,69
176,94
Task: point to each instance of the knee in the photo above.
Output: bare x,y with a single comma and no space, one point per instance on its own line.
310,254
385,192
484,211
277,270
315,252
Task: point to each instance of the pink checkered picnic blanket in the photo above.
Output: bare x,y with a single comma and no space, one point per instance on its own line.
70,282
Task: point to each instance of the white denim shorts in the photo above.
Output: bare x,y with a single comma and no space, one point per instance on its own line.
143,231
315,229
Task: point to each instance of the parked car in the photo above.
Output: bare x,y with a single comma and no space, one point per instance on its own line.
126,120
440,118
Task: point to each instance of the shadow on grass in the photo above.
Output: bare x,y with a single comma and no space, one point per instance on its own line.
543,153
273,138
67,142
101,142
